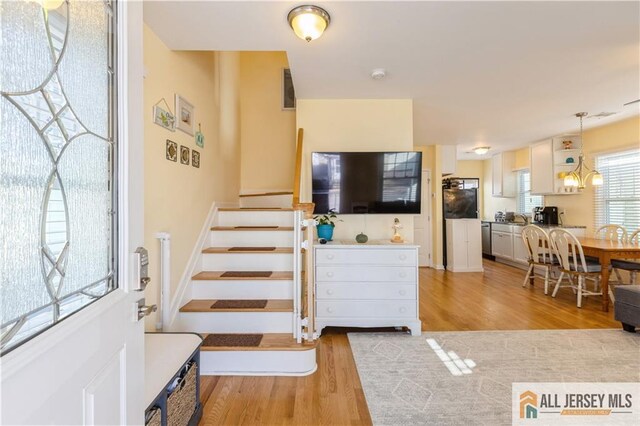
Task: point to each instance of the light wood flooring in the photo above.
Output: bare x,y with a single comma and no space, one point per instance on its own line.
333,395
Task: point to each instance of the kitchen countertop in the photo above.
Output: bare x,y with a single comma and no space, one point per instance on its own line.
538,224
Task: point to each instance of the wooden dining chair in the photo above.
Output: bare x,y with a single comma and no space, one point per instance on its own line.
536,242
631,266
572,262
611,233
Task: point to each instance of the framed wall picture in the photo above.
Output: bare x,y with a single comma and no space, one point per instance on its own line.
184,155
195,158
185,115
172,151
288,92
163,116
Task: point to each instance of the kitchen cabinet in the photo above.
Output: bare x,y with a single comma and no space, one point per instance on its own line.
464,245
520,252
550,160
503,178
541,167
502,244
449,159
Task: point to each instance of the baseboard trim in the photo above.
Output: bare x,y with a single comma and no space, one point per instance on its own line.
439,267
185,280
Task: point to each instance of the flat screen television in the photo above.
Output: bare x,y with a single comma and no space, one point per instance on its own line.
366,182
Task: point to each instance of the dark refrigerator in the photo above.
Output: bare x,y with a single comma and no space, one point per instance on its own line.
459,201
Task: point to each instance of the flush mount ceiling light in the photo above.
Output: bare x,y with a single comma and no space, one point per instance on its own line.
308,21
481,150
578,177
378,73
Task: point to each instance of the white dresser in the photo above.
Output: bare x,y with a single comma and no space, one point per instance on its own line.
367,285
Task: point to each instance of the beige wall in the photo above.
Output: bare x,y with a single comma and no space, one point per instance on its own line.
268,132
522,159
178,197
356,125
610,138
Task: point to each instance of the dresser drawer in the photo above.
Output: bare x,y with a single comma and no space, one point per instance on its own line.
364,291
366,274
366,309
366,257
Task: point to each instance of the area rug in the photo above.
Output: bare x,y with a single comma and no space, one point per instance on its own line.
406,381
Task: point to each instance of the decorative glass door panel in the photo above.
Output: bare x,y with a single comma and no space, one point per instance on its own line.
57,151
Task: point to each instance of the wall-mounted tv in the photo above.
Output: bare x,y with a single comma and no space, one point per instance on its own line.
366,182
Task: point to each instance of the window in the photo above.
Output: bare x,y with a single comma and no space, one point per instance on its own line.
57,145
617,201
526,201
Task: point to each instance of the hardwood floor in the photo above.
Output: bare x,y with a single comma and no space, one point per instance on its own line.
493,300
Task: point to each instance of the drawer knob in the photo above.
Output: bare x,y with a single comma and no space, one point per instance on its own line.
329,256
329,291
403,274
402,309
330,310
329,274
402,292
402,257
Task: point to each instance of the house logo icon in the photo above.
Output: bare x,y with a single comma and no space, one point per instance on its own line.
528,405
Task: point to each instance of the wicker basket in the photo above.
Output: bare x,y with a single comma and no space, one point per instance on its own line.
155,418
182,402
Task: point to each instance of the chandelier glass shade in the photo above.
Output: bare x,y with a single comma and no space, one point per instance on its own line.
579,177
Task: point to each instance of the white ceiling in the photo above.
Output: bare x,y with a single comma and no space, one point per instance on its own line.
502,74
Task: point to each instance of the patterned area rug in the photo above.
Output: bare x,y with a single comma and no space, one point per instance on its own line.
406,381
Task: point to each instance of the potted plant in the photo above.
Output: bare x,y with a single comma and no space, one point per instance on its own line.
326,223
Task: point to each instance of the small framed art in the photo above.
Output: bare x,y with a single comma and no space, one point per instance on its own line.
172,151
195,158
184,155
185,112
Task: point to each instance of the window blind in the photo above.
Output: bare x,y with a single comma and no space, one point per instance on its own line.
617,201
526,201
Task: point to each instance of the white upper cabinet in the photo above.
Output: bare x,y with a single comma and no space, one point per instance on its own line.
541,168
449,159
551,160
503,178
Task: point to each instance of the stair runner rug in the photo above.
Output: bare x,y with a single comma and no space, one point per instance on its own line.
252,249
256,227
465,377
239,304
245,340
247,274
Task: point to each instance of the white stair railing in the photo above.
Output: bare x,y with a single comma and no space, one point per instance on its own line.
303,283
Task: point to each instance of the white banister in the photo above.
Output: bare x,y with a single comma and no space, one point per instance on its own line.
164,297
297,274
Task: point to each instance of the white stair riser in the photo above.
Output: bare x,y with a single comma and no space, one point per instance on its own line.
257,363
282,201
251,239
242,289
236,322
255,218
247,262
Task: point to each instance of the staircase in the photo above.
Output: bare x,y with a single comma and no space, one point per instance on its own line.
247,302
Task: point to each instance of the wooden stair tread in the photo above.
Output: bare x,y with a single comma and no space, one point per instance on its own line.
255,209
255,228
204,305
269,342
266,194
280,250
217,275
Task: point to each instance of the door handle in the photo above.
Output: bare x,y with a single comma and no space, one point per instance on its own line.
145,310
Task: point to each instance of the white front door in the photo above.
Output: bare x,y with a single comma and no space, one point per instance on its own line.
422,222
86,367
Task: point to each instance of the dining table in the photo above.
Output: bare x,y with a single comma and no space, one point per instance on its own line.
605,250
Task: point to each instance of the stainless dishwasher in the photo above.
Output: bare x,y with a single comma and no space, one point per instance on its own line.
486,239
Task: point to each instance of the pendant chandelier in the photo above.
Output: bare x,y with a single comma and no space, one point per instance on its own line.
578,178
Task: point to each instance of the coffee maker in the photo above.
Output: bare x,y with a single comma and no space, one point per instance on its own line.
545,215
